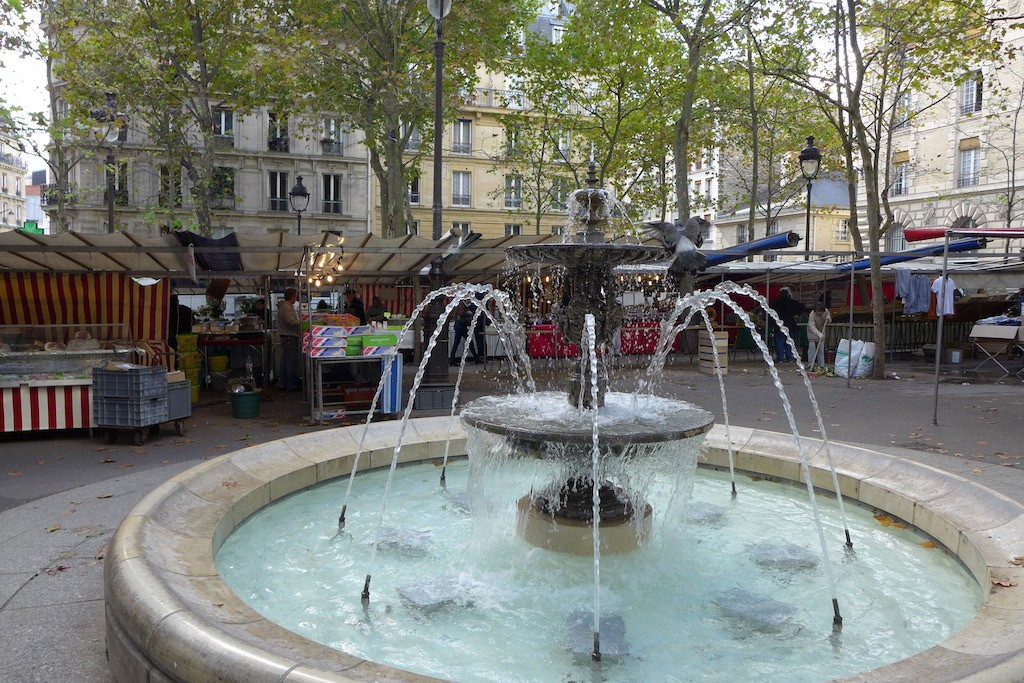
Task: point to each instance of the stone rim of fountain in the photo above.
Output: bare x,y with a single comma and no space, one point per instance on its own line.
170,615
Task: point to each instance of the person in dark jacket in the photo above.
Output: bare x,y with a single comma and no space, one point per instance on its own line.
354,306
789,311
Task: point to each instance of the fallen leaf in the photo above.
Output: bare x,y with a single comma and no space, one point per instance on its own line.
126,465
40,462
230,484
15,473
218,448
978,469
52,571
106,460
106,495
885,520
1005,583
927,544
218,604
68,513
100,449
102,552
1017,560
53,527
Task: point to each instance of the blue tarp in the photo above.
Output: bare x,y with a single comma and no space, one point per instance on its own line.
780,241
966,244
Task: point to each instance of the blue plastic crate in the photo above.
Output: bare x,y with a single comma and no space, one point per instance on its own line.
140,382
129,412
179,400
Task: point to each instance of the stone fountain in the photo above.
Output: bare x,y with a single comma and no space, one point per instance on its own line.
560,516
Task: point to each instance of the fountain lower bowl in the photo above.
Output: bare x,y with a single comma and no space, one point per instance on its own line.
171,617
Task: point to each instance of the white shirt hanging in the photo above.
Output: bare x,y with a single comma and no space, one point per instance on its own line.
943,295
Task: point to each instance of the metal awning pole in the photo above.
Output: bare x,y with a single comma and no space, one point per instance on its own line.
849,339
940,304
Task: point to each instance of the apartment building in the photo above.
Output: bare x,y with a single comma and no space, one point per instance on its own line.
260,158
957,150
13,179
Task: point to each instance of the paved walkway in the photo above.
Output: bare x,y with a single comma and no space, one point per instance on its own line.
63,495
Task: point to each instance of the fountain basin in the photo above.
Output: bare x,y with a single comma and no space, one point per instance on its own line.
171,617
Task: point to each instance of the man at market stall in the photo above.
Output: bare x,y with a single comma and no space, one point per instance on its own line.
354,305
289,330
789,311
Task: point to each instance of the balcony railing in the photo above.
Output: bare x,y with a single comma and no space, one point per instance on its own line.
462,147
506,99
224,141
224,201
278,144
332,147
513,202
967,179
461,199
414,197
332,206
120,197
50,194
12,160
278,204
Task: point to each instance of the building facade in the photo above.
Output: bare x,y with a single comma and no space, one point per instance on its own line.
13,180
957,155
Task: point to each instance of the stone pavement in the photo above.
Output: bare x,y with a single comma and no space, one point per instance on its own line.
62,495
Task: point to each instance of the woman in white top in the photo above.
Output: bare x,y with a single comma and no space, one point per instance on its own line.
816,323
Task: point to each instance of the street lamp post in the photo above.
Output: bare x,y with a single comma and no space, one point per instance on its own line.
111,122
810,162
298,197
437,365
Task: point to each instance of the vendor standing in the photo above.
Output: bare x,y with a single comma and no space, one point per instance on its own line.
816,322
289,330
377,312
354,305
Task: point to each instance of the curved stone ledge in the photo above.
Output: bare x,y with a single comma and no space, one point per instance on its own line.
170,617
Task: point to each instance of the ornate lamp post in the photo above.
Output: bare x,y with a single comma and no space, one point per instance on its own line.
298,197
437,364
111,123
810,162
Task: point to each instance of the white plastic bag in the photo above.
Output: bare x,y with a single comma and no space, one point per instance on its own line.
847,357
866,364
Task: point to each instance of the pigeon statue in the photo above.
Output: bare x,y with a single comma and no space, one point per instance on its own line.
683,239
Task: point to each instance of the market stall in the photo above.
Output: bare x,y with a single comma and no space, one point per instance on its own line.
54,328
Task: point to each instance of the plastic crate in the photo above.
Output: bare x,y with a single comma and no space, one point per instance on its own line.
140,382
129,412
179,400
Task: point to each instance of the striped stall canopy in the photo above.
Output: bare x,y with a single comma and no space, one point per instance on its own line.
26,408
109,306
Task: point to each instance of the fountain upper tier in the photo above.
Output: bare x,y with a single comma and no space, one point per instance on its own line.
624,419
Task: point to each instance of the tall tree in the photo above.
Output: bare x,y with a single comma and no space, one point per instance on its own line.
372,63
883,50
173,63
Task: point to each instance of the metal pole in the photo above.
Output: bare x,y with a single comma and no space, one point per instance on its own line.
298,217
939,305
110,189
807,227
437,365
849,341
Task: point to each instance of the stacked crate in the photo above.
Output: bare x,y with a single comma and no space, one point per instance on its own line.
131,397
188,360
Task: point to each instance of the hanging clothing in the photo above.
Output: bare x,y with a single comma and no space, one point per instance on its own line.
943,290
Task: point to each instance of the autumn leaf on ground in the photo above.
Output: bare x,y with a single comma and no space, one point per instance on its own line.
100,449
927,544
106,460
102,552
982,443
246,437
1005,583
885,520
978,469
1017,560
14,473
53,527
40,462
53,571
217,448
230,484
68,513
106,495
126,465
